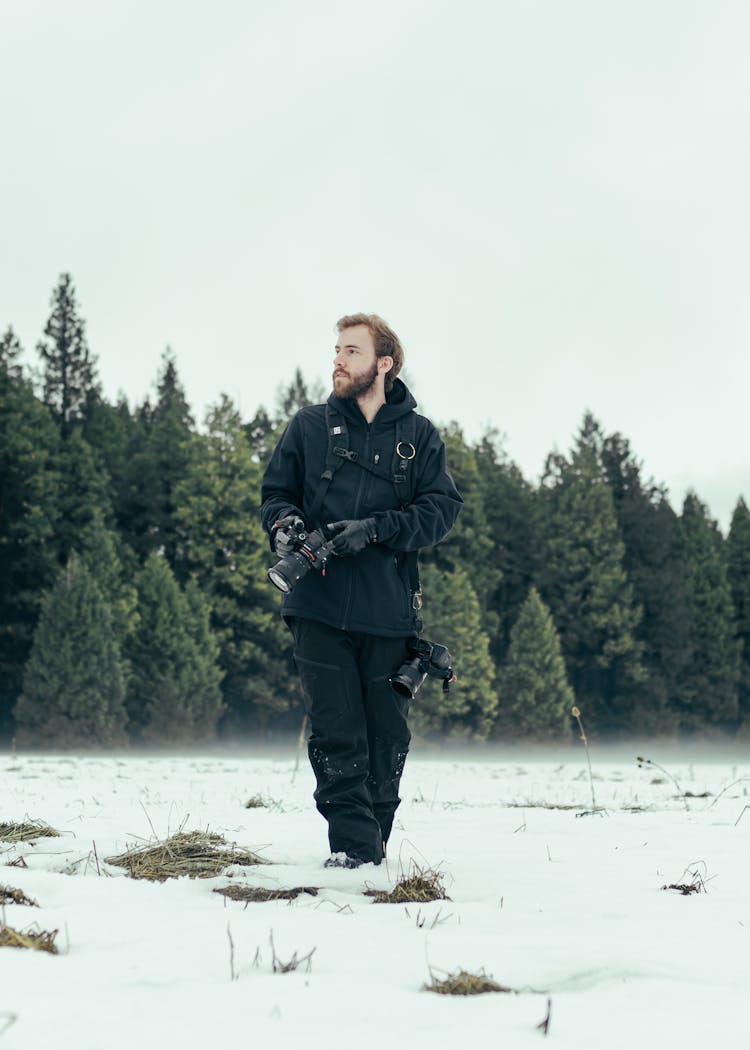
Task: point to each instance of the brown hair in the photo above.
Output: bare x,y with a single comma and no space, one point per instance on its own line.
386,341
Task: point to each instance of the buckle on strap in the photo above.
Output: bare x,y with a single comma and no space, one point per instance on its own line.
345,453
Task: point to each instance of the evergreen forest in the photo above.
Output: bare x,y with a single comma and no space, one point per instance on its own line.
135,610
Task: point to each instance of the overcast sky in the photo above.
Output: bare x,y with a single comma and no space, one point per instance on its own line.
547,200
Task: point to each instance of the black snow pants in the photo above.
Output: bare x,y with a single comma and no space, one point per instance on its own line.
359,735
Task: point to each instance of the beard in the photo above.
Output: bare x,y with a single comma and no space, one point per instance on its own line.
349,389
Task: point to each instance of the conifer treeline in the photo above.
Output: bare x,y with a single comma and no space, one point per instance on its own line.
134,604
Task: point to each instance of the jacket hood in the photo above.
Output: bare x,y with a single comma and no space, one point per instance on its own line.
398,403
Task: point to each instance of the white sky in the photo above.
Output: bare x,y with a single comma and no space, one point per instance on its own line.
548,201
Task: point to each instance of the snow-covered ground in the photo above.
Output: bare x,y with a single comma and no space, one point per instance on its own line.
555,904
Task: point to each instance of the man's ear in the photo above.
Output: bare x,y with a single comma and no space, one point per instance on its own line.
385,364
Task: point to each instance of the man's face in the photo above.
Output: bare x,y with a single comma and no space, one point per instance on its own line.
355,367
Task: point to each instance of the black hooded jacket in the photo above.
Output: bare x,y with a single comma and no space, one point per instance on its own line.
368,592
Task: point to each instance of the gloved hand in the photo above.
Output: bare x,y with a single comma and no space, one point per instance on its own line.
351,537
285,534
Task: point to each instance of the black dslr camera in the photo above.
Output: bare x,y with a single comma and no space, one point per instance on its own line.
425,658
311,551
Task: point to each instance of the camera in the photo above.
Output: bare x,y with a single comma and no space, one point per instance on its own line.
425,658
312,550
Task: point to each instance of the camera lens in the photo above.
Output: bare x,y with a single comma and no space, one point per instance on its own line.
278,579
407,679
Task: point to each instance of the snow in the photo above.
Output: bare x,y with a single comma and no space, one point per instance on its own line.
550,902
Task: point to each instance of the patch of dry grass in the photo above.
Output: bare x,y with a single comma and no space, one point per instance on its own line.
259,893
197,854
10,895
33,937
695,883
464,983
419,886
27,832
543,805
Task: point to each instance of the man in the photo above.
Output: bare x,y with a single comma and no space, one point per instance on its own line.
372,474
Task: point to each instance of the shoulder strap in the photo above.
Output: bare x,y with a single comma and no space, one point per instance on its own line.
402,468
404,473
336,452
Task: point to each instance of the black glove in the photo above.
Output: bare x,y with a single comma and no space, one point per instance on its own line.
351,537
285,532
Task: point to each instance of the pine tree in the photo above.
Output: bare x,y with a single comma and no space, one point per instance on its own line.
583,581
10,352
452,617
108,431
708,696
655,565
221,545
535,695
738,573
171,448
82,495
173,695
296,395
207,705
28,522
101,551
512,521
262,433
70,380
74,683
159,458
264,430
469,545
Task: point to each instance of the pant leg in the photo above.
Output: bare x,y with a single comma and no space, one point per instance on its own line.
327,661
388,733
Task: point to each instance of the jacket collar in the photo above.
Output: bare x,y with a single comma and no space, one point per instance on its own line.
398,403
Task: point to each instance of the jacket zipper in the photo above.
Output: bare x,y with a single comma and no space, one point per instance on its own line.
350,583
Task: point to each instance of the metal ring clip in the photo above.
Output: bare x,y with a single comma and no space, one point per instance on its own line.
403,455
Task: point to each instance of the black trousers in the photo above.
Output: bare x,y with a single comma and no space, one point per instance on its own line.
359,735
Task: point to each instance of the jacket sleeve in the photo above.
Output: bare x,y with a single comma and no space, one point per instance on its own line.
432,513
282,487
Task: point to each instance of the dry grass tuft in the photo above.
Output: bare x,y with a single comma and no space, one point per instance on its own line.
9,895
543,805
259,893
197,854
419,886
27,832
686,888
33,937
695,884
464,983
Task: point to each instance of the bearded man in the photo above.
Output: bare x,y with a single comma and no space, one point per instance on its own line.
371,473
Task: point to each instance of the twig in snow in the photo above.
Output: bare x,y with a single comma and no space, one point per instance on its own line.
294,962
647,762
9,1018
724,790
577,715
232,974
543,1025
